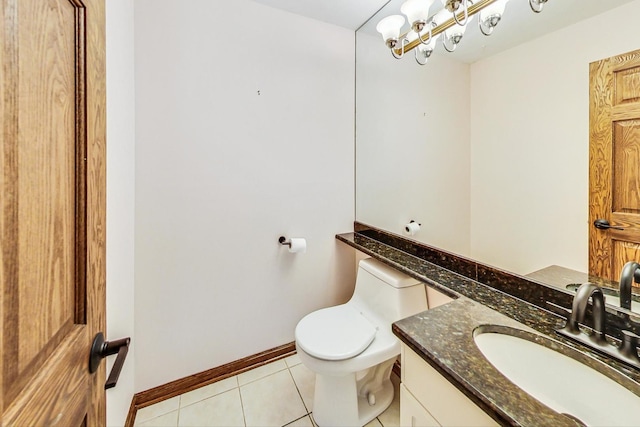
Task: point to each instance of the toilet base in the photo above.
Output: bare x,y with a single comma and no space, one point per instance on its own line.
345,400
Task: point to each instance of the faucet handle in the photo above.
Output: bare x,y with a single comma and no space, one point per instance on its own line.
629,346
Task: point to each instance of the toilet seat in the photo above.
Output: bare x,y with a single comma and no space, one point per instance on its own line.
335,333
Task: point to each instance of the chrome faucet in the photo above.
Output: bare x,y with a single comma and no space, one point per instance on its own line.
630,273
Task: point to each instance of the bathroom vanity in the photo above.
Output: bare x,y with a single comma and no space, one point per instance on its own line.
446,378
429,399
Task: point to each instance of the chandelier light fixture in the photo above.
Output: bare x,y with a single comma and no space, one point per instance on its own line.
450,22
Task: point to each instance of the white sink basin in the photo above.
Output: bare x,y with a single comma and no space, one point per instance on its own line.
560,382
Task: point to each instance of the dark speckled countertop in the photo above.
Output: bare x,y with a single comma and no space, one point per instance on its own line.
484,298
566,278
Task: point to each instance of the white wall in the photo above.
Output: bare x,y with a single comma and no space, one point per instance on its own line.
412,126
244,132
530,144
120,198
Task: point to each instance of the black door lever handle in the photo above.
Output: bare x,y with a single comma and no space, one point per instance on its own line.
101,349
603,224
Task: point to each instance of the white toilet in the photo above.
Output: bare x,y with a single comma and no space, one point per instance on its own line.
351,348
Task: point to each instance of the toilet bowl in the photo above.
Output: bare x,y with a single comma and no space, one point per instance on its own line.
351,348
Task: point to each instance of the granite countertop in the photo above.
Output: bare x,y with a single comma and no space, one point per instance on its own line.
562,277
566,278
443,336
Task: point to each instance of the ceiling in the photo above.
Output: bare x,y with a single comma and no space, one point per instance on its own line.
344,13
519,25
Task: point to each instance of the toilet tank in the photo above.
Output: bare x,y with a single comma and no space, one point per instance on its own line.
386,295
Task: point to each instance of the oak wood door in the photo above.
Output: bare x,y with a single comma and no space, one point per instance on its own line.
614,163
52,211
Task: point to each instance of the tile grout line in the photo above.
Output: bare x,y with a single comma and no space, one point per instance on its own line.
162,414
244,418
179,410
299,392
259,378
297,419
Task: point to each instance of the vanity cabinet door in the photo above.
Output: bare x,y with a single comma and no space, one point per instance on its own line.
448,405
412,413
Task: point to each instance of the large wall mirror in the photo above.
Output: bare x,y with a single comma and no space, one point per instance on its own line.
488,147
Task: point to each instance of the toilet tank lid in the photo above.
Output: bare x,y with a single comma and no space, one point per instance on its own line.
387,274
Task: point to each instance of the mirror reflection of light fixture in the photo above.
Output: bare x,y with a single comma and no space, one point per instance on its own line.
451,20
424,50
490,16
537,5
452,35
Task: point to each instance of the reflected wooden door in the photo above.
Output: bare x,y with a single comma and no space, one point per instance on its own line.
52,211
614,163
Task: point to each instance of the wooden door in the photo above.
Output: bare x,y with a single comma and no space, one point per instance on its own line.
614,163
52,211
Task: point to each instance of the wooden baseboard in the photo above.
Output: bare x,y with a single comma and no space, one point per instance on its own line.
192,382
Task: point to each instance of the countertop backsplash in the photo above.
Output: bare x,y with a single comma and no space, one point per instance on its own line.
539,290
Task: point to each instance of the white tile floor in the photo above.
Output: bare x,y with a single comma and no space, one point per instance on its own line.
277,394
